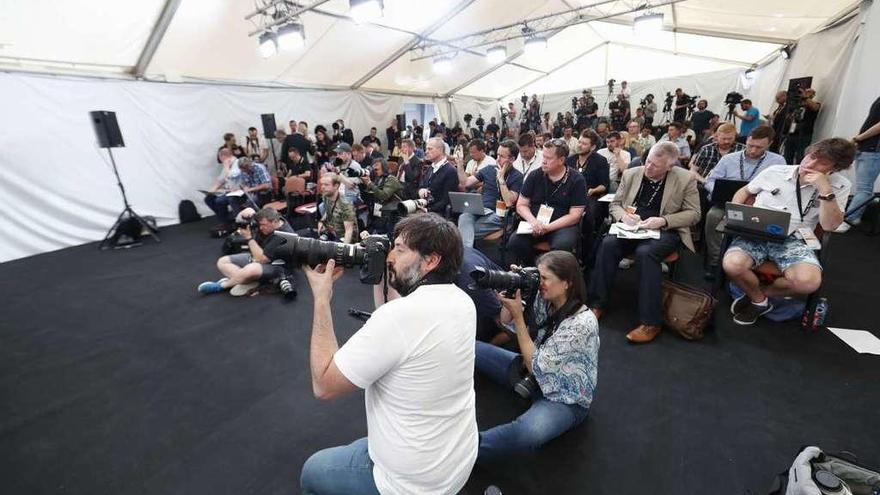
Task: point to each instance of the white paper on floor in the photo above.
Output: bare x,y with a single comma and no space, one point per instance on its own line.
862,341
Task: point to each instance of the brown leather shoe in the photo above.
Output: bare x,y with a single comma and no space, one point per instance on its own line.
643,334
597,312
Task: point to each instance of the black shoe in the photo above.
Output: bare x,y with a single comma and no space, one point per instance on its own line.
739,304
750,314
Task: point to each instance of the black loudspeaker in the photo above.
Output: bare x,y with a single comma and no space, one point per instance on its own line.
106,129
268,125
401,122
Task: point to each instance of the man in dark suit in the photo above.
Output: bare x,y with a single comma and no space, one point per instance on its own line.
657,196
438,179
409,173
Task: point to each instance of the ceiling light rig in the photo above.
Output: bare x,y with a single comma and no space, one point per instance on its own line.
366,10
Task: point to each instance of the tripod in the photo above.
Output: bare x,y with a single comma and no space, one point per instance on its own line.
730,117
112,237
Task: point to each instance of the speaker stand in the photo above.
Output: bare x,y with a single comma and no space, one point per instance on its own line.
127,212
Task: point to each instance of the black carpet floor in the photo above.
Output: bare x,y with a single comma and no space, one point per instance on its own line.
116,377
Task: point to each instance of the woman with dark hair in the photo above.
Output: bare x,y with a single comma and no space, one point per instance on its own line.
322,145
560,364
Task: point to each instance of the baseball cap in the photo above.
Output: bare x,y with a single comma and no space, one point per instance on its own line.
343,146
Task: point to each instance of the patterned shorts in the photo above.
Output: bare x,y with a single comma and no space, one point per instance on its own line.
785,255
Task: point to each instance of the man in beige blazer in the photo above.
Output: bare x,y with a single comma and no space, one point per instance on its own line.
659,195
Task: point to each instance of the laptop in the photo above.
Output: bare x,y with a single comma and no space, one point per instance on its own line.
724,189
467,203
759,223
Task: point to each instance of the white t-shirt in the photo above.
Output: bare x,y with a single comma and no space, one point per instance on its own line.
474,167
527,167
415,358
782,179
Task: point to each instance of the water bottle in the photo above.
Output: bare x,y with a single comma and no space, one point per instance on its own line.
814,319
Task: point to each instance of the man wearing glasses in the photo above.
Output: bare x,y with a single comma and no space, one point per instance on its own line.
551,203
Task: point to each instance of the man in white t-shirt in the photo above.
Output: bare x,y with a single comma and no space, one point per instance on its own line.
479,158
530,157
415,359
618,158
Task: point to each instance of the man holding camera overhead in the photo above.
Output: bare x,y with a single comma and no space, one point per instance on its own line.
415,359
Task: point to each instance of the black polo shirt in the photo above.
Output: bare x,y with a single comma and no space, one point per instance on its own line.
570,191
595,171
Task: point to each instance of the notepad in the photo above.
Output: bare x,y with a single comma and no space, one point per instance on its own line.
862,341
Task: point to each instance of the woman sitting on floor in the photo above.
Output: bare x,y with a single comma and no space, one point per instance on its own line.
562,361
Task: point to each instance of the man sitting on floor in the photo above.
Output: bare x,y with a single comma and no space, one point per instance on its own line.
244,271
658,196
501,182
558,190
814,195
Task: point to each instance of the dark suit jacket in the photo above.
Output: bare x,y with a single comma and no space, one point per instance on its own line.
440,183
412,173
680,205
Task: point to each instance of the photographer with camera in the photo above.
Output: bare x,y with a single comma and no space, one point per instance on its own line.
499,182
341,134
751,118
348,170
682,100
557,371
620,113
243,272
337,222
384,195
409,172
700,122
438,179
415,359
776,120
556,193
799,125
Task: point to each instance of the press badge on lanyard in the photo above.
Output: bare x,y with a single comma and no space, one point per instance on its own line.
545,213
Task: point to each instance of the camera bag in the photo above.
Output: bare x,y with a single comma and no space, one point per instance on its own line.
802,479
187,212
687,310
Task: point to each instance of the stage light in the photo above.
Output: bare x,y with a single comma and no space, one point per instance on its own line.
785,51
291,36
442,65
535,44
648,23
268,44
365,10
496,54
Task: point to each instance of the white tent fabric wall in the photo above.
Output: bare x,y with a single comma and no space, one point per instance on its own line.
58,186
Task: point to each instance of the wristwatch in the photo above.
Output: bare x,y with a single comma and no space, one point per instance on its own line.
827,197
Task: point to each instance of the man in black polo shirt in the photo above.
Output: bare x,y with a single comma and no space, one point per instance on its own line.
298,165
594,167
559,188
295,140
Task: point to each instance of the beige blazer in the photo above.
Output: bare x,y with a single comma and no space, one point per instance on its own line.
680,205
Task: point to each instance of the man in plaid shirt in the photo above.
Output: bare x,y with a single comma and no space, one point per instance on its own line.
705,160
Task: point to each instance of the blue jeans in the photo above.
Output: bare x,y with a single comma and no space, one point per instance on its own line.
476,227
542,422
867,170
339,470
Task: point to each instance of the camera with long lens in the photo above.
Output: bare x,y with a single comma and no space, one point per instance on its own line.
523,383
480,122
524,99
335,126
526,280
468,118
287,286
369,255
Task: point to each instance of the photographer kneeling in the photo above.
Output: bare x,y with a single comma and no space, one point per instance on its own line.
242,272
561,363
415,359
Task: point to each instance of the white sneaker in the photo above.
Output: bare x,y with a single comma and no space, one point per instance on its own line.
626,263
243,289
843,228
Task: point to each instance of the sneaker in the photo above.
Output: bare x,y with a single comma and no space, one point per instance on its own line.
843,228
664,267
626,263
739,304
751,312
243,289
211,287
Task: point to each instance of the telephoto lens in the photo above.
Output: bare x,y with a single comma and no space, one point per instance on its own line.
287,287
526,280
315,252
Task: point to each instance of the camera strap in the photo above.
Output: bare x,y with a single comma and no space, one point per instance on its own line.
554,320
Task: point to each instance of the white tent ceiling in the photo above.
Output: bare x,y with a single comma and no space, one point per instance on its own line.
207,40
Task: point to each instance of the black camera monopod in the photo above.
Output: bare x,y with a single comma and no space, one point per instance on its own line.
360,315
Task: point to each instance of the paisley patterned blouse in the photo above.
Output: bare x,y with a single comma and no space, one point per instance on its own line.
566,365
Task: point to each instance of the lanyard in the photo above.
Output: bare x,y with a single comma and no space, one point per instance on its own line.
561,183
810,203
653,194
742,172
526,169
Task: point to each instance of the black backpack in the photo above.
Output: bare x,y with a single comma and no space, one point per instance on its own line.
187,212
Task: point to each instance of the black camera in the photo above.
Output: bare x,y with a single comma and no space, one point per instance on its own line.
335,126
525,279
524,99
468,118
370,254
337,162
523,383
480,122
287,286
733,98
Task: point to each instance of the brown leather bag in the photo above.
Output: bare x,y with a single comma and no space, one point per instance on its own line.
687,310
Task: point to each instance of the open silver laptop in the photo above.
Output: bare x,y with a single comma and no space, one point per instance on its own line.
753,221
467,203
